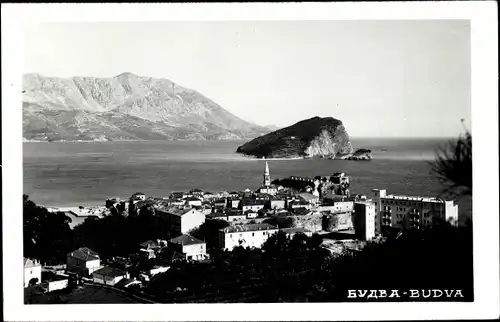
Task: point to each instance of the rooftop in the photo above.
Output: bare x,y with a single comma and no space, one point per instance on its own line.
414,198
307,196
110,271
149,243
253,202
175,210
30,263
295,230
186,240
192,199
249,227
85,254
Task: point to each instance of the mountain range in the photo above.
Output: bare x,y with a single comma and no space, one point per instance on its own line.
125,107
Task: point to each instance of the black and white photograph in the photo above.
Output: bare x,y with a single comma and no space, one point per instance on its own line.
193,160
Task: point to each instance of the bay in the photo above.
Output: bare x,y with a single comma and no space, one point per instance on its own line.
76,173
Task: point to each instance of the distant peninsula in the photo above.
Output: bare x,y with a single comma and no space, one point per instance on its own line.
315,137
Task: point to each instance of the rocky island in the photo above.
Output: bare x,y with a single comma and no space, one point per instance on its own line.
315,137
358,155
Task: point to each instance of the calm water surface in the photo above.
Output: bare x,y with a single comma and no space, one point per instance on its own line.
69,174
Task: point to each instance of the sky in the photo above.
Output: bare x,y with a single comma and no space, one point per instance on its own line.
396,78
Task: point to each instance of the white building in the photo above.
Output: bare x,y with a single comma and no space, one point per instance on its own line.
253,235
109,275
193,201
364,220
405,212
337,205
309,197
181,220
83,261
32,272
252,205
56,283
194,249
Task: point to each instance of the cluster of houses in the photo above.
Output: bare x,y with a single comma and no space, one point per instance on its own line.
354,218
151,258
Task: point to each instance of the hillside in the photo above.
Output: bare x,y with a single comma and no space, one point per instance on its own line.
315,137
125,107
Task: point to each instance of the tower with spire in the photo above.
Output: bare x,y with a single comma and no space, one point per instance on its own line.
267,176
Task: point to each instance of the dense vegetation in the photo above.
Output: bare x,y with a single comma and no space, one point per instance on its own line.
300,270
48,237
453,166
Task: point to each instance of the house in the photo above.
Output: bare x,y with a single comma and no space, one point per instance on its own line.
196,192
209,196
251,214
291,232
177,195
309,197
337,205
83,261
138,196
252,204
235,215
181,220
251,235
233,203
151,244
220,203
56,282
176,202
109,275
263,196
299,204
299,211
222,194
32,272
193,201
192,248
234,194
277,203
217,216
149,249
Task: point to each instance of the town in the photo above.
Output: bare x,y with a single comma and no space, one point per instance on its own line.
322,206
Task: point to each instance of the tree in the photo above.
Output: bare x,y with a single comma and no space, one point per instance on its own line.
33,281
47,236
453,166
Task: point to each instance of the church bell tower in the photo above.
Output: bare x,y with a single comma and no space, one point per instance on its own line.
267,176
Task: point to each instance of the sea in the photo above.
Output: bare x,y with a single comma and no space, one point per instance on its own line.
66,174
